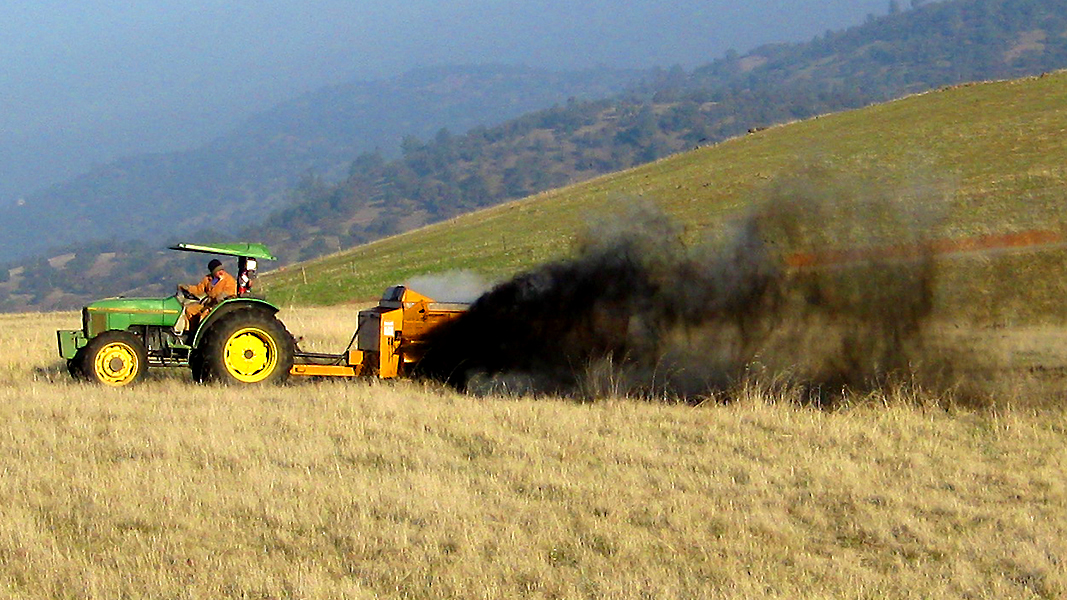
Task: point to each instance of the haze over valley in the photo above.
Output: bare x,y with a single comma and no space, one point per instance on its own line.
86,83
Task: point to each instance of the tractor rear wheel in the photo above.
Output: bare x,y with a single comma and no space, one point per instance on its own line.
113,358
247,347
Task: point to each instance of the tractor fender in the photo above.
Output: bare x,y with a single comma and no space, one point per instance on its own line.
227,307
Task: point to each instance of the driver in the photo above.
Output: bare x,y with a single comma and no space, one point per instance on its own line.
215,287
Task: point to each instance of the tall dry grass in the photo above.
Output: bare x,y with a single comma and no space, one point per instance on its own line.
397,490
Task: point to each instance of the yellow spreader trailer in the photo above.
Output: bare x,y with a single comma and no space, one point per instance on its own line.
389,338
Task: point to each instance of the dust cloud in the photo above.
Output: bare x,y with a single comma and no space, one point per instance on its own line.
639,311
451,286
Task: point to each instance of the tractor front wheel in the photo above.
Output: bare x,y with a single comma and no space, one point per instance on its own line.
247,347
113,358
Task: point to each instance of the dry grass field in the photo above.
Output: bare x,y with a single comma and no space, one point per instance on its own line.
376,490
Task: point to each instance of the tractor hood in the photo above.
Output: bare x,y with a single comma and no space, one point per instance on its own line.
121,313
136,304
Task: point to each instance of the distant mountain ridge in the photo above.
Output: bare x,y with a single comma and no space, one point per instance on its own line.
935,44
443,175
245,174
905,52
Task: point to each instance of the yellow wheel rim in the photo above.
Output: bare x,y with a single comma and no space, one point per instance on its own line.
250,355
116,364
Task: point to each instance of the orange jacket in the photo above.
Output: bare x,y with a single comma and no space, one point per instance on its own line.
216,288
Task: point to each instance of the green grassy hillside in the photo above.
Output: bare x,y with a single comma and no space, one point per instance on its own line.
991,156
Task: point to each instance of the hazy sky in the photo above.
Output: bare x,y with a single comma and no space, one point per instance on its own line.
83,81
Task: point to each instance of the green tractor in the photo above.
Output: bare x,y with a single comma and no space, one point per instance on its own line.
239,341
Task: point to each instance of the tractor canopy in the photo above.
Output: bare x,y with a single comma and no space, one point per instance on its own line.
248,254
242,249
